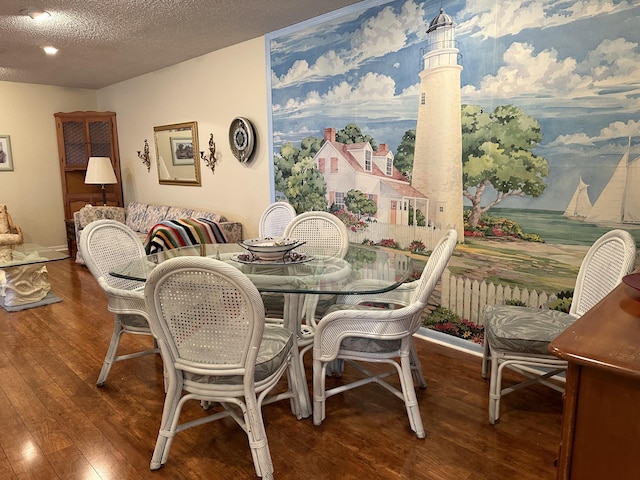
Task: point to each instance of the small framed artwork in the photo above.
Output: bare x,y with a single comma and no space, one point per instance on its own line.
182,151
6,158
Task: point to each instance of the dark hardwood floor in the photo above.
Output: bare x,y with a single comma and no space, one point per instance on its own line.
56,424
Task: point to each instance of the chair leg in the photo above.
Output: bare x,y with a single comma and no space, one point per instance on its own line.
494,392
257,436
486,358
416,367
111,352
168,425
410,399
319,398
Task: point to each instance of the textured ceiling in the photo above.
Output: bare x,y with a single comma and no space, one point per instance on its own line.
102,42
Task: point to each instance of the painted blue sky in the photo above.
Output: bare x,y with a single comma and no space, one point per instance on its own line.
574,65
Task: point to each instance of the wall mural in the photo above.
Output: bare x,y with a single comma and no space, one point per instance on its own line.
365,120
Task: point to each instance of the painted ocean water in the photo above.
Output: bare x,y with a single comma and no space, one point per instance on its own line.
555,228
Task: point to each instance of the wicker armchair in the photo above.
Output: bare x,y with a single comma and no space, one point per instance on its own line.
356,334
10,234
518,337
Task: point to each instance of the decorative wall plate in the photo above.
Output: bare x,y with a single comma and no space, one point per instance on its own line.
241,138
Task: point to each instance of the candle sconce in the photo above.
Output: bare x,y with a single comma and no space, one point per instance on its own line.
211,159
145,156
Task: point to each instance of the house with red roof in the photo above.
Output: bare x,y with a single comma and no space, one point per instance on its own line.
348,166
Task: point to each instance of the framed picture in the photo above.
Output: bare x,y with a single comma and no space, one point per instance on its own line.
6,158
182,151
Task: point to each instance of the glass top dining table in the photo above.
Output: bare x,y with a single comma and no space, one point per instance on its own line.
303,274
363,270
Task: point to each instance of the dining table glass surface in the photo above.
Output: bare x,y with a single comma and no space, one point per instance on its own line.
297,273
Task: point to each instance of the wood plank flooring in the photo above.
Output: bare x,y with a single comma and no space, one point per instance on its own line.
56,424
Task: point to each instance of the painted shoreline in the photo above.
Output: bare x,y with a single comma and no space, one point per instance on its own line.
531,265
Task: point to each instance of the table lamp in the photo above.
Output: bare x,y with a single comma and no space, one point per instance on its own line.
100,172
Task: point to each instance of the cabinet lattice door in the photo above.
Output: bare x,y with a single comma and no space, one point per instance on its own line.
82,135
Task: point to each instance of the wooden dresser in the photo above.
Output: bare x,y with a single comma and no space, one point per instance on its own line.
601,419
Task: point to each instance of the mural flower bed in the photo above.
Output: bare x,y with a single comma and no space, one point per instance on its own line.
489,226
389,243
444,320
352,222
416,246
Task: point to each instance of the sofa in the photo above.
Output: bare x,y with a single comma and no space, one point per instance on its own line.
142,217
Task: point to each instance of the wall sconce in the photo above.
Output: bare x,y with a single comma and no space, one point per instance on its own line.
145,156
211,161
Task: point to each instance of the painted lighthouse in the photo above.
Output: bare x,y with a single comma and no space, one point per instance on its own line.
437,163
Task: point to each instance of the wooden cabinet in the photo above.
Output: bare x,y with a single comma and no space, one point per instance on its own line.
601,418
82,135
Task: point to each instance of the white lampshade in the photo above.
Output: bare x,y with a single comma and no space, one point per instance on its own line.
100,171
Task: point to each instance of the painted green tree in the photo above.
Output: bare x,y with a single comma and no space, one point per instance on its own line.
351,133
359,204
403,159
306,187
496,152
294,176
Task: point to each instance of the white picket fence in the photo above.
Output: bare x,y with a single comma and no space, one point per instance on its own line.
463,296
402,234
467,297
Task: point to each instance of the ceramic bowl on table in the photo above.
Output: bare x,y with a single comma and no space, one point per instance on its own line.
270,248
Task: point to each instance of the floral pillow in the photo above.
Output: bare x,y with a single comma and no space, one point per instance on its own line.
136,216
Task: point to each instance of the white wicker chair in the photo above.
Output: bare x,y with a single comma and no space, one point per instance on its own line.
398,297
325,235
210,324
105,244
275,218
518,337
273,222
377,335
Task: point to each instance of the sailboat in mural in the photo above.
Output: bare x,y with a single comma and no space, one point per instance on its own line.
579,205
619,202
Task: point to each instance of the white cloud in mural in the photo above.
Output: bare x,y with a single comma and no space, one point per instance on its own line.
371,87
329,64
616,61
375,90
609,75
378,36
526,73
614,130
301,132
491,19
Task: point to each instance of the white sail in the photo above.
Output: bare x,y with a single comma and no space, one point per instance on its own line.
632,194
619,201
579,205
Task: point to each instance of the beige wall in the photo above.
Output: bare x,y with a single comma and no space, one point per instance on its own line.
32,191
211,90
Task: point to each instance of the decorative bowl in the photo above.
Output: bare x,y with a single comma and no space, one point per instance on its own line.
270,248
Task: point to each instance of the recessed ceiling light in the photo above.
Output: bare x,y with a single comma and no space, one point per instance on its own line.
50,50
37,15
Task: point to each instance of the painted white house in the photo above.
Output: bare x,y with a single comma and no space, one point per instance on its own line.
348,166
